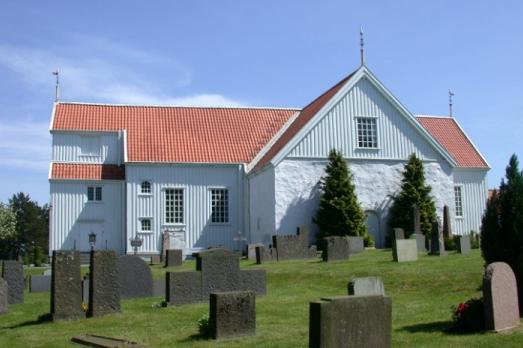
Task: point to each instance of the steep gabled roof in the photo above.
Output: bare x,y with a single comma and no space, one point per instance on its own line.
178,134
451,136
69,171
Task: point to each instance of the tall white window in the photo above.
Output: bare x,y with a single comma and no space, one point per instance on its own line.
367,132
90,146
459,201
94,193
145,225
174,206
219,206
145,187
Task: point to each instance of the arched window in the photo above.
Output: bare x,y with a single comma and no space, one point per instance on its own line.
146,187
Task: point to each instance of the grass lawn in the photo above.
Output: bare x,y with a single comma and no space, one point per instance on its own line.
422,293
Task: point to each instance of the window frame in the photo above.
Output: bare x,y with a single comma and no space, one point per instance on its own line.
459,212
371,119
141,192
226,207
94,193
183,205
142,220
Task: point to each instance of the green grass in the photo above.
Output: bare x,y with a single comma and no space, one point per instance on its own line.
422,293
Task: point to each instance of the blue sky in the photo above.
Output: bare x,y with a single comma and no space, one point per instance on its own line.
263,53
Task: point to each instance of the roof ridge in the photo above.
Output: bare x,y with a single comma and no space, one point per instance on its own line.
434,116
181,106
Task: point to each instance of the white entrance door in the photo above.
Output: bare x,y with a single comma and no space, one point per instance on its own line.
373,225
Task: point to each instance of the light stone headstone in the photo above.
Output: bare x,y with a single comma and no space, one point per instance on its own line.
500,297
405,250
251,250
366,286
464,244
420,241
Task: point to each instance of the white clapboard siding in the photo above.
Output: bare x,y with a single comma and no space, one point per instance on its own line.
474,190
397,138
196,181
73,217
67,147
262,206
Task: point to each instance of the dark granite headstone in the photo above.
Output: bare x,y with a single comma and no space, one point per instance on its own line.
66,292
104,290
437,245
39,283
134,277
366,286
335,248
399,233
447,226
13,273
420,242
264,255
351,321
232,314
4,303
416,218
500,297
173,257
356,245
291,247
159,287
464,244
217,270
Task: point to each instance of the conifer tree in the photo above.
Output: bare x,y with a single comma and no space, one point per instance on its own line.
339,213
414,191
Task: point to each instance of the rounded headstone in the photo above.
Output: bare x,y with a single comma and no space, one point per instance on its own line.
134,277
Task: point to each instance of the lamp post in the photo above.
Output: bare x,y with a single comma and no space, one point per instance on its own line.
136,242
92,240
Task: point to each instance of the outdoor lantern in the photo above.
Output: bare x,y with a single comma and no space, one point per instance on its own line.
92,239
136,242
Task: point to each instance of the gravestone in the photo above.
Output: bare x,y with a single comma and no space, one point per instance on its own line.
66,292
500,297
351,321
4,303
399,233
416,218
135,278
159,287
85,289
291,247
166,244
355,245
447,226
264,255
251,250
104,290
420,242
335,248
367,286
464,244
437,245
217,270
405,250
39,283
173,257
13,273
155,259
232,314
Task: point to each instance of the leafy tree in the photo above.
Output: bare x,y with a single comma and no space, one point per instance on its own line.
7,230
32,225
502,225
339,212
414,191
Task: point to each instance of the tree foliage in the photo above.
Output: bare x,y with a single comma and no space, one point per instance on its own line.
414,191
7,223
502,224
339,212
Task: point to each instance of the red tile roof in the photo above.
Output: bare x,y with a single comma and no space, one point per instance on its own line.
448,134
179,134
67,171
303,118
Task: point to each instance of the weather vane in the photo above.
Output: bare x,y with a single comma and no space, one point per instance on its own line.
56,89
450,102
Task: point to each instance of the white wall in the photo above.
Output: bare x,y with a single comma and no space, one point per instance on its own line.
297,189
67,148
72,217
196,180
474,190
262,206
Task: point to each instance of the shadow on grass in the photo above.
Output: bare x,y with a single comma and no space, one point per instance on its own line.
445,327
44,318
196,337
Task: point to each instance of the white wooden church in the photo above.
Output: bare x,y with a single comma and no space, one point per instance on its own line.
218,176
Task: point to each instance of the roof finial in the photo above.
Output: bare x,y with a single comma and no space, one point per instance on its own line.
362,49
56,89
450,102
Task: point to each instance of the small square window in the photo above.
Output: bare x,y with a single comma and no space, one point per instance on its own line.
367,132
146,187
145,225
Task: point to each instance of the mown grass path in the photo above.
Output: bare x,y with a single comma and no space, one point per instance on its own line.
422,293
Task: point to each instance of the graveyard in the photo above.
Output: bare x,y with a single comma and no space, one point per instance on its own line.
422,294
